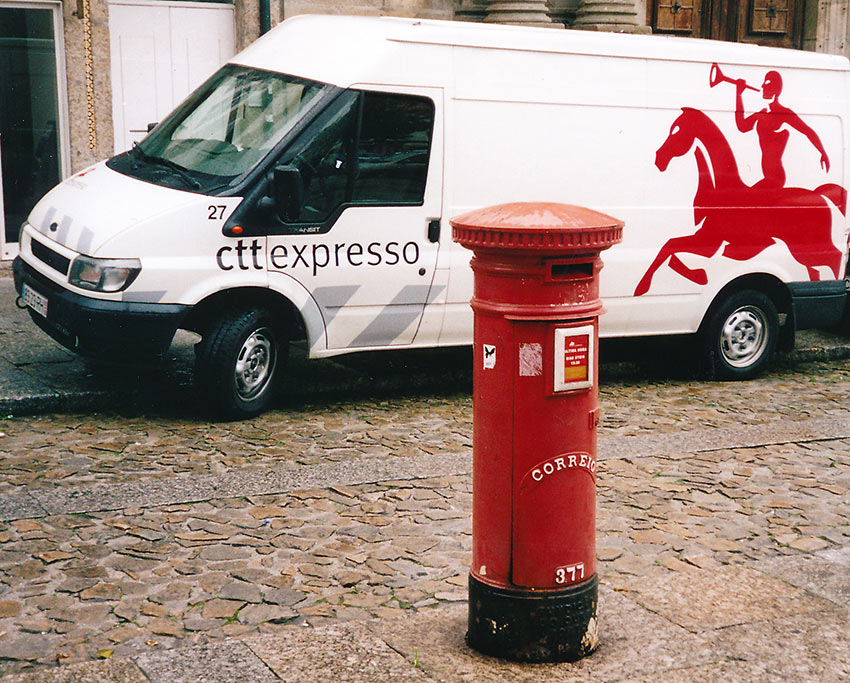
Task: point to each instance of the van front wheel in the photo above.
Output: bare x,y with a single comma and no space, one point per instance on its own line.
238,362
741,336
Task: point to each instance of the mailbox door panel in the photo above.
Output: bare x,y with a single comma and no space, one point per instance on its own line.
492,466
554,477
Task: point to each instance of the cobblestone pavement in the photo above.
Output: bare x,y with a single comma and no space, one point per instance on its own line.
72,450
107,580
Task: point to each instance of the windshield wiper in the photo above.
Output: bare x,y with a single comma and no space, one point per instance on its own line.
137,153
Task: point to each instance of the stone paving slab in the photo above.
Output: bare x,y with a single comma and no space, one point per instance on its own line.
176,490
229,661
825,574
709,673
156,578
633,641
747,436
349,652
19,506
810,647
116,670
724,597
18,386
37,350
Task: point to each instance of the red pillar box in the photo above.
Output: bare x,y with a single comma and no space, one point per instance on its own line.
533,584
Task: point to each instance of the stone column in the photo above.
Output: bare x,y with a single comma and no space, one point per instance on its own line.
470,10
247,18
563,11
521,12
618,16
88,78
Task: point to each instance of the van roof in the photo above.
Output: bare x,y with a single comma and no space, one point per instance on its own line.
346,50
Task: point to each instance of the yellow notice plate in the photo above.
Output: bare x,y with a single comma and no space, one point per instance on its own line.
574,358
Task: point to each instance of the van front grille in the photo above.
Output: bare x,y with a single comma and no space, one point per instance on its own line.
51,258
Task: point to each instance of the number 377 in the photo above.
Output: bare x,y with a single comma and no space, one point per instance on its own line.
569,574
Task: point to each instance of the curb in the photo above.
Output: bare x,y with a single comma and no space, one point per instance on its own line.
310,383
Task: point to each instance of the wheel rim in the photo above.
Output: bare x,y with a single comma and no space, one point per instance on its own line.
743,337
255,364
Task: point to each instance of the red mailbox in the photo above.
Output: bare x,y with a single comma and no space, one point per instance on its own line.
533,584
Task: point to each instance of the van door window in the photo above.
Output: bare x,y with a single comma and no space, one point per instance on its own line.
393,149
325,163
373,150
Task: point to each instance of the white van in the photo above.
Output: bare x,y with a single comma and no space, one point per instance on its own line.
305,190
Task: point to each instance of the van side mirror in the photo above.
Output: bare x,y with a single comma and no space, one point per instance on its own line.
288,192
153,125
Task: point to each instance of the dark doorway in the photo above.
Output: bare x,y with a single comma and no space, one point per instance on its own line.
29,114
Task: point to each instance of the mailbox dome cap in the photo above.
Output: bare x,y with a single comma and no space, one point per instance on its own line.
543,226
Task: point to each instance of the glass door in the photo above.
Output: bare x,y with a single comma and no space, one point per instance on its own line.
32,115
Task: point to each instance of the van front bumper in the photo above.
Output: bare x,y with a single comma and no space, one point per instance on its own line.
114,331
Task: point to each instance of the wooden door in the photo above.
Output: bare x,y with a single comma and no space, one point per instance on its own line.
777,23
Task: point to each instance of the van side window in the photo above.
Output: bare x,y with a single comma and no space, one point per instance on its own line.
372,150
394,148
325,163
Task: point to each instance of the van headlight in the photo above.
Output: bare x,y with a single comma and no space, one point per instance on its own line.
104,274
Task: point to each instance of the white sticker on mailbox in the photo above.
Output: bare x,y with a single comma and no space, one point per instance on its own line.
489,356
530,360
574,358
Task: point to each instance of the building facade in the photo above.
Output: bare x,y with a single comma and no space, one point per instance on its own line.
80,80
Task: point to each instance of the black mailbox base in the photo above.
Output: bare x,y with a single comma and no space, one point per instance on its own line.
533,626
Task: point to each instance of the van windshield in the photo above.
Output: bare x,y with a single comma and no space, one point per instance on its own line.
222,131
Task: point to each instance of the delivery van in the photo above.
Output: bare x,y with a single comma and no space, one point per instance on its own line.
304,192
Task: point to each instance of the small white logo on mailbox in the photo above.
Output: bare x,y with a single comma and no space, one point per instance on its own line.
489,356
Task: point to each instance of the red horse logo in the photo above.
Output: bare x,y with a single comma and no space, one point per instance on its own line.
745,220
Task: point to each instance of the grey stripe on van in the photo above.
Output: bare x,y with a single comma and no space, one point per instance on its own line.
48,219
396,317
331,299
64,228
86,237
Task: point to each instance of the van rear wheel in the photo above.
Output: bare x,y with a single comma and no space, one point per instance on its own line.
741,336
238,362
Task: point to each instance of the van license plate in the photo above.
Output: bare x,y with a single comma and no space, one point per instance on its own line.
36,301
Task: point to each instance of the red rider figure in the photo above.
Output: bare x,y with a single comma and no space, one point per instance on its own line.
772,125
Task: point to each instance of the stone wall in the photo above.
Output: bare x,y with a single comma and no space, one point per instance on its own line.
430,9
248,16
87,67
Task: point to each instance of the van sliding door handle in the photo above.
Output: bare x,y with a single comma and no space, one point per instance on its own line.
434,230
